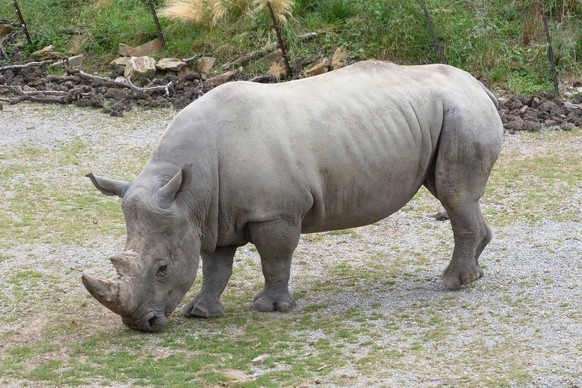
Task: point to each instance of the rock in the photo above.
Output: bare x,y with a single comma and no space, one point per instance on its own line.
547,106
550,123
46,53
124,49
147,48
75,44
75,61
576,108
140,67
122,61
172,64
116,94
320,67
566,126
340,58
515,123
222,78
83,102
205,64
523,109
531,126
5,29
515,104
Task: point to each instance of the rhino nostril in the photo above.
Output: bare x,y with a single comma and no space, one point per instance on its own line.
153,321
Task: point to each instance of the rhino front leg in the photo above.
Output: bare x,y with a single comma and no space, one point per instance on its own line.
216,271
275,241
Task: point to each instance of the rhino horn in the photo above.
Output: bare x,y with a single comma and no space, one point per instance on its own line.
105,291
126,263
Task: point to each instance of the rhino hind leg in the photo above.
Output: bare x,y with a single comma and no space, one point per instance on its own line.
275,241
216,272
464,162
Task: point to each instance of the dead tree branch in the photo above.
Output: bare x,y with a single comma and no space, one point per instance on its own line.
25,66
122,82
18,90
252,55
47,97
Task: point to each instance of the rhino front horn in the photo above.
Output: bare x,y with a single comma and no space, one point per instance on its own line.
106,292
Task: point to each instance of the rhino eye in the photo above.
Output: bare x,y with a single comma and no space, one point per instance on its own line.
162,270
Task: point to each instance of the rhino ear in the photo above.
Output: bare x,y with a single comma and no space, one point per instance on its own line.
108,186
176,186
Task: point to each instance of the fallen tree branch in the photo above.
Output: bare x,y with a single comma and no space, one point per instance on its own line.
44,100
151,89
55,79
120,82
252,55
18,90
265,50
26,66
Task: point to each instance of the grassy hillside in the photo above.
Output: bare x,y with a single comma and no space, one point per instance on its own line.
502,40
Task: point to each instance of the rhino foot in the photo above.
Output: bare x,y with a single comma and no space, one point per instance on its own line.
204,308
266,301
454,278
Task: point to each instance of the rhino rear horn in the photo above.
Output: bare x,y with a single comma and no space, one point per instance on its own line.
126,263
176,186
108,186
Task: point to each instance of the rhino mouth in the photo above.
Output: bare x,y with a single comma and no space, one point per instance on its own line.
151,322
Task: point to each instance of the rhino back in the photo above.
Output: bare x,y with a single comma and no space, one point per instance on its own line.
340,150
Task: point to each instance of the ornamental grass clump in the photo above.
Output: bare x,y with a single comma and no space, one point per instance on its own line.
214,11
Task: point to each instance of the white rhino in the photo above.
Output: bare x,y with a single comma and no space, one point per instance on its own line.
259,163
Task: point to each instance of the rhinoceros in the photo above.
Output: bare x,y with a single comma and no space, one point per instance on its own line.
263,163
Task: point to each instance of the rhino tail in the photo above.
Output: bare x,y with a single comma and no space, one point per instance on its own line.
491,96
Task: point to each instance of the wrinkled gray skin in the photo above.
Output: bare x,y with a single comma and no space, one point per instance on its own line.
261,163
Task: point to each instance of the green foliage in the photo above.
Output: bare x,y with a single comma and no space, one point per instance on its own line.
497,38
333,11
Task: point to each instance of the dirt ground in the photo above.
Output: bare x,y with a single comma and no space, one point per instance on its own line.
378,313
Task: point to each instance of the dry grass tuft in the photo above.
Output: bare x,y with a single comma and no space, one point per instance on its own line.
213,11
282,9
183,10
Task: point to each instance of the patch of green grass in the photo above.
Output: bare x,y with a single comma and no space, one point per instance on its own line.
534,187
501,40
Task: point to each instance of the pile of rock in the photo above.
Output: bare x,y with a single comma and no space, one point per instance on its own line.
534,112
136,63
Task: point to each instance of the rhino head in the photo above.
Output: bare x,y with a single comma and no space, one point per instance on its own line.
160,260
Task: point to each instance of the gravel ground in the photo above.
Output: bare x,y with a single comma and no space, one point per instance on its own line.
523,319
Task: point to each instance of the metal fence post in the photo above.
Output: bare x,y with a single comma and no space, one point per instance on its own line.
157,22
21,20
